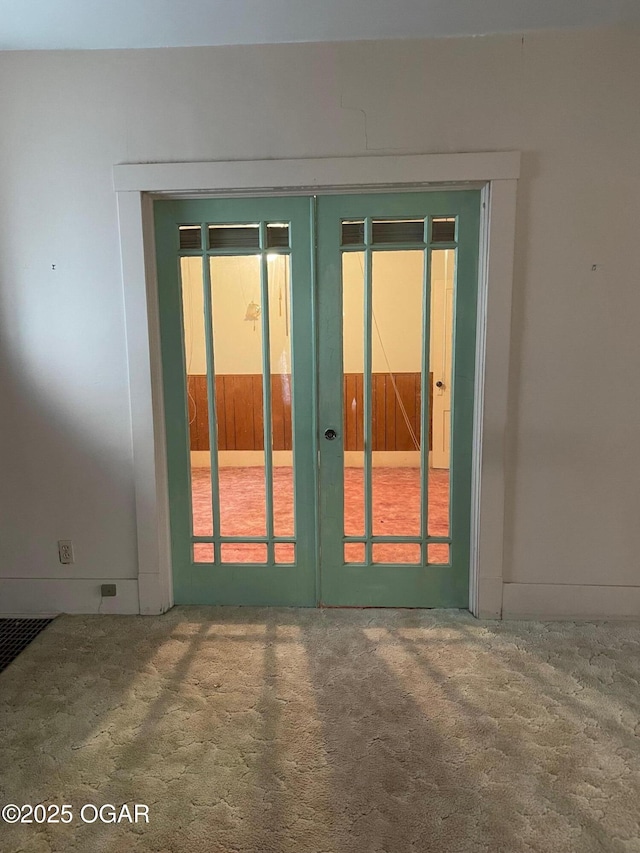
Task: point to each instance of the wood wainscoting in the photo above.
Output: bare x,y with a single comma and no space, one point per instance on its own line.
240,412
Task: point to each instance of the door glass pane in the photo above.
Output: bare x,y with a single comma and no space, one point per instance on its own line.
278,269
243,552
443,263
203,552
438,554
237,345
197,400
443,229
397,231
284,552
354,552
234,236
396,363
353,343
401,552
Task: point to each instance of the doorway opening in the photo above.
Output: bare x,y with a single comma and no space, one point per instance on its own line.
318,362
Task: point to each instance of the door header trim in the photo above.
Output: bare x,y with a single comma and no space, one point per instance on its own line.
317,174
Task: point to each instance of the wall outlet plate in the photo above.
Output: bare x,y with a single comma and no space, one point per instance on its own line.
65,551
108,590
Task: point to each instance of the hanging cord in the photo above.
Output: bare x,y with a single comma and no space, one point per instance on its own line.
405,416
407,420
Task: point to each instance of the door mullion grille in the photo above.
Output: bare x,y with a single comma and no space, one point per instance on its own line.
398,540
211,396
266,391
425,402
231,540
366,395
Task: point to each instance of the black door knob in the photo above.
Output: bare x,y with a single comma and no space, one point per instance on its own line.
439,384
330,434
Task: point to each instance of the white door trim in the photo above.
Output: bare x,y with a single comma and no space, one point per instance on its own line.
495,173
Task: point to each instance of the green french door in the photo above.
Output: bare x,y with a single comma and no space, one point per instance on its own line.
397,285
318,371
236,322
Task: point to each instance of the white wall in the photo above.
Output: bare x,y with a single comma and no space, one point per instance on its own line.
567,100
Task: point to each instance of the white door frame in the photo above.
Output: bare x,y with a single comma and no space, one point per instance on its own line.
495,174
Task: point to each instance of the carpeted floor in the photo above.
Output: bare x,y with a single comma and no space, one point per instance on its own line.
395,509
311,731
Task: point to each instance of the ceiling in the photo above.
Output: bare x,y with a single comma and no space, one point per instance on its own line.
96,24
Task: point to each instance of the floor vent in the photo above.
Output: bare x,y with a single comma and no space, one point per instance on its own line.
15,636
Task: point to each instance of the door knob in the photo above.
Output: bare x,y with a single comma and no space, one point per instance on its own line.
439,384
330,434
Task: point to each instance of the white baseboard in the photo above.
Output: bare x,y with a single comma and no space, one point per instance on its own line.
241,458
48,597
27,597
383,458
569,601
28,615
352,458
489,598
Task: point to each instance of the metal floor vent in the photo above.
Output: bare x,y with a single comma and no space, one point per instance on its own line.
15,636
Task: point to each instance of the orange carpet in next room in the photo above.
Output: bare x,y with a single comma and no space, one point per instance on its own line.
396,511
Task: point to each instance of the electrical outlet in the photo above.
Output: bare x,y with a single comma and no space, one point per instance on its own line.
108,590
65,551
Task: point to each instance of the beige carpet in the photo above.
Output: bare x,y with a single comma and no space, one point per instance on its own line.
306,731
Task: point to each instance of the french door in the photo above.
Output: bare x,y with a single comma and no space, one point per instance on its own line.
296,350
